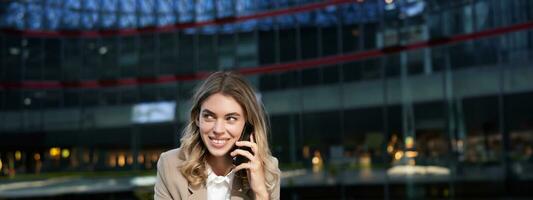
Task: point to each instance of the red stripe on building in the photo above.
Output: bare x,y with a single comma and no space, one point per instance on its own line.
282,67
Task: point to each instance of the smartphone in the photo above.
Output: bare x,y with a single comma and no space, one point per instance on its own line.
245,136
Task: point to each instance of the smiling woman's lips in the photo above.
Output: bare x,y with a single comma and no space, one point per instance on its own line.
218,143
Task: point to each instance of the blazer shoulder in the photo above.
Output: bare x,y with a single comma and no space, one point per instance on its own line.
274,159
170,183
173,157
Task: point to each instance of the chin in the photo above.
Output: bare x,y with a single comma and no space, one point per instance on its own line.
218,152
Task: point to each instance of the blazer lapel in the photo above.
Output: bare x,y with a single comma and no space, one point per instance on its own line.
197,192
238,192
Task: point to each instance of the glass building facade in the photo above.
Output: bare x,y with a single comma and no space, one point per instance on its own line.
371,99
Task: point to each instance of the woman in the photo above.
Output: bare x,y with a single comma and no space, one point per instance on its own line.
202,167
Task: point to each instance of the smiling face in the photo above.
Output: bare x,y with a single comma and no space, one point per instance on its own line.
221,122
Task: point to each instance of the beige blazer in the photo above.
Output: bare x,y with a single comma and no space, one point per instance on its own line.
171,184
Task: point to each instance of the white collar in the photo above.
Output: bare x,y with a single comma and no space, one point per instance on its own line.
212,178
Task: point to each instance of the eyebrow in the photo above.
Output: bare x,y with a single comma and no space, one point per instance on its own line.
212,113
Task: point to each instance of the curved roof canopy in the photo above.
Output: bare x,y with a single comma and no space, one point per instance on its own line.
120,14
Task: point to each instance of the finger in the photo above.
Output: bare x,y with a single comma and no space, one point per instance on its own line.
252,145
244,153
242,166
252,139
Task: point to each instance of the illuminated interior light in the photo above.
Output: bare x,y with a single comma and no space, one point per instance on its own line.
409,142
398,155
27,101
112,161
460,145
389,1
0,164
37,156
121,160
418,170
365,161
129,160
54,152
102,50
316,160
65,153
411,154
18,155
140,158
14,51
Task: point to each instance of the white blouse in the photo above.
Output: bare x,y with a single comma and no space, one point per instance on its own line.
219,187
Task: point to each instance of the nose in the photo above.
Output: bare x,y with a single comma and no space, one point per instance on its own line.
219,127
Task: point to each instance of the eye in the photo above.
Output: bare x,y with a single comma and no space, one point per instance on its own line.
231,118
208,117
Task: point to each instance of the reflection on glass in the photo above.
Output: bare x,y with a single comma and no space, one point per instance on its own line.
153,112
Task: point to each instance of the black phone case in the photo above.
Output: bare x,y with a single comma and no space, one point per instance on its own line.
245,136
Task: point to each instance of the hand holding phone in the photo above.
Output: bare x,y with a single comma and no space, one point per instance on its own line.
245,136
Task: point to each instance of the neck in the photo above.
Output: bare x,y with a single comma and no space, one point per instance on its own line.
220,165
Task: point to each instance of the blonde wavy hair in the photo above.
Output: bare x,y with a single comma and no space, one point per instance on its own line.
230,84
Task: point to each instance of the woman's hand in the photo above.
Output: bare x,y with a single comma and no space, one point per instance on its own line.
254,167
